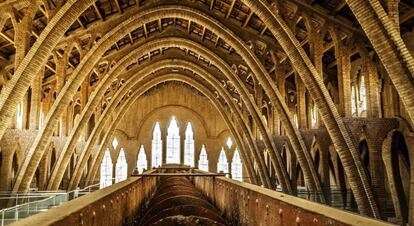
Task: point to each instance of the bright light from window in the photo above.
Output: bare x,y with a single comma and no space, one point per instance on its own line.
353,100
142,163
106,170
236,167
156,147
173,142
314,115
203,161
121,167
229,142
42,119
222,165
20,115
362,97
189,146
115,143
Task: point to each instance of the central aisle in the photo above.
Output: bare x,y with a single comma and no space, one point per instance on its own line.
178,202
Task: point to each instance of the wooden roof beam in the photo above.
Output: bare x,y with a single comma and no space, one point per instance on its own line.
338,7
160,25
98,11
7,38
80,23
345,24
118,6
145,30
404,18
212,4
217,41
230,9
247,19
203,34
189,27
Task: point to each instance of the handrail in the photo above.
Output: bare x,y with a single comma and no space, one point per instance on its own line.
67,193
55,195
111,199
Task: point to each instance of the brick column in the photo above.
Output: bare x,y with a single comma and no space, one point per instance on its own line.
61,63
22,44
317,50
281,86
372,84
344,79
301,102
35,102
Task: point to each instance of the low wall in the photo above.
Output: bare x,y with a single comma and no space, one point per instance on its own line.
118,204
247,204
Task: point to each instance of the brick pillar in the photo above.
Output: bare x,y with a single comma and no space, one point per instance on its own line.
43,168
376,167
35,102
301,102
281,86
372,84
344,79
61,63
22,36
409,139
7,160
317,50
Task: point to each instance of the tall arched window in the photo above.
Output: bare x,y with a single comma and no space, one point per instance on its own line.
142,160
106,170
42,118
222,165
236,167
353,100
156,147
121,167
203,161
314,115
189,146
19,119
362,97
173,142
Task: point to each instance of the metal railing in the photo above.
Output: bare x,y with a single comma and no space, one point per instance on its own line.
20,211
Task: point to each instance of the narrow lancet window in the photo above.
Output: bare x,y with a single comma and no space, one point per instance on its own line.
189,146
203,161
173,142
156,146
236,167
142,163
106,170
222,165
121,167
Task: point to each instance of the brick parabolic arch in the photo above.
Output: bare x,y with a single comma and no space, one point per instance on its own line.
116,71
136,81
133,22
37,56
144,71
143,85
